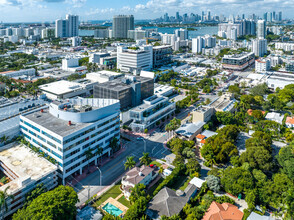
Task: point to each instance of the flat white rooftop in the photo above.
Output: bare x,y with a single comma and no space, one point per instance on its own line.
61,87
24,164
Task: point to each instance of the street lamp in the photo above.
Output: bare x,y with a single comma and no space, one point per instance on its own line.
100,175
142,139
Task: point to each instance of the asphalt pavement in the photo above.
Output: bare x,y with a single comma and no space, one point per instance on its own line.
115,169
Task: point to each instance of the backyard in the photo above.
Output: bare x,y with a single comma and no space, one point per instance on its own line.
113,192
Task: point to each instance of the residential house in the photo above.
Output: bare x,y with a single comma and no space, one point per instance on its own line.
218,211
168,202
273,116
290,122
255,216
137,175
201,138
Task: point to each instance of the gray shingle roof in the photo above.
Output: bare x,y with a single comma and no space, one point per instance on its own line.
167,202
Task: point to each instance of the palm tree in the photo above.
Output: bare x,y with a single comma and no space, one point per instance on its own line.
145,159
160,170
130,162
4,138
113,144
99,151
4,197
89,154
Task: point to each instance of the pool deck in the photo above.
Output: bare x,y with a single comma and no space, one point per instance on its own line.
116,204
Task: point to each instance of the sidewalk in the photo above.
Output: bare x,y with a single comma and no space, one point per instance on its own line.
93,168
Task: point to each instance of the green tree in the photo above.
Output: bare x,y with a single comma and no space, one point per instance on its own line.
286,160
193,166
137,192
4,197
89,155
137,210
40,189
130,162
145,159
173,125
237,180
58,204
213,183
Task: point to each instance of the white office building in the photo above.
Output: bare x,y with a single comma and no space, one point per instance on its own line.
197,44
262,65
66,130
168,39
69,62
134,60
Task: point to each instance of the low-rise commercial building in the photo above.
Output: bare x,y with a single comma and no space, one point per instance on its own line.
19,73
24,170
161,55
190,130
129,90
202,113
66,130
103,76
65,89
152,110
238,61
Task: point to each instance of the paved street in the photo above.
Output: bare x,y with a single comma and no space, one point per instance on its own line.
115,168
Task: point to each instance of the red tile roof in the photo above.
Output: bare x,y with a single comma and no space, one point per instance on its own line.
225,211
290,120
200,136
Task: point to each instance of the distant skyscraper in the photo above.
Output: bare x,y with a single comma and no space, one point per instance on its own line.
121,25
274,16
68,27
177,16
208,16
280,16
261,29
269,17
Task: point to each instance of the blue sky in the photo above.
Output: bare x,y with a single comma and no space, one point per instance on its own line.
49,10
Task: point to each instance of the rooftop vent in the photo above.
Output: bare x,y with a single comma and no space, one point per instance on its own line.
140,174
180,193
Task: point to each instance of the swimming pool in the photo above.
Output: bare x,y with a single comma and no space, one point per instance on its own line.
111,209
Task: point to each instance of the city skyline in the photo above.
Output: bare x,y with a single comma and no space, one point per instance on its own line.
50,10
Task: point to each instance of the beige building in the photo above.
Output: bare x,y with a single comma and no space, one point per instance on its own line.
203,113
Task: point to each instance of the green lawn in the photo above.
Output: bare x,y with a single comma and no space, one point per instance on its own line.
180,182
151,190
155,163
124,201
183,187
112,192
